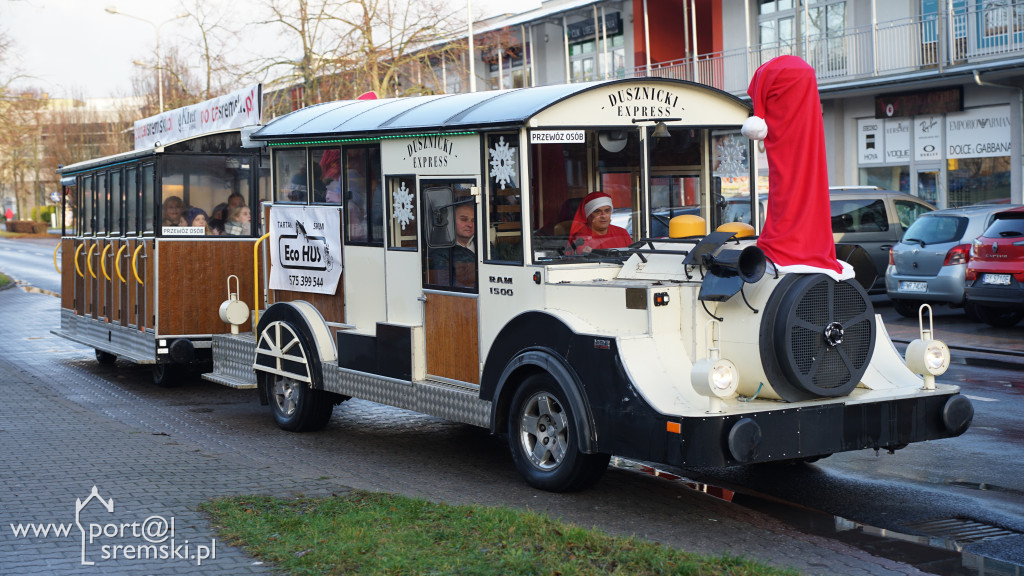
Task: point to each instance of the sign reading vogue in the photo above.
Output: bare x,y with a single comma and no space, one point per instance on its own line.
305,247
238,109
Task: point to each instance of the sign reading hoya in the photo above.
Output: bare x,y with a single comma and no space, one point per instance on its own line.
305,251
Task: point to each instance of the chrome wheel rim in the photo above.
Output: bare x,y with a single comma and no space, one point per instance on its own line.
286,395
544,431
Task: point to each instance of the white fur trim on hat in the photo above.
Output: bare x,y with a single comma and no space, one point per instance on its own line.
597,203
755,128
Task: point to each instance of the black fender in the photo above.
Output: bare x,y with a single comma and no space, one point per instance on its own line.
544,360
310,329
613,415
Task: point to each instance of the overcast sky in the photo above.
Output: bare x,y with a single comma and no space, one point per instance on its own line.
75,48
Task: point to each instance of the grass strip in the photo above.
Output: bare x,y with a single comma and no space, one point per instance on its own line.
366,533
4,281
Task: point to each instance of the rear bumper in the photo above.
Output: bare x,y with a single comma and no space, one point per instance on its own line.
1011,296
946,287
807,432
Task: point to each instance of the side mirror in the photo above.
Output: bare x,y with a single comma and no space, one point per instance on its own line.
439,217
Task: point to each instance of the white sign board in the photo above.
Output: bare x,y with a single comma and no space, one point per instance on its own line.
558,137
432,155
238,109
305,248
978,133
870,145
928,137
897,141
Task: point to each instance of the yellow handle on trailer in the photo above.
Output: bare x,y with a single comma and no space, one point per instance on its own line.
117,262
256,279
103,260
77,269
88,260
55,249
135,257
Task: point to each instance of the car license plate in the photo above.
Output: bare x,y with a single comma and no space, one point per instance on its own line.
913,286
997,279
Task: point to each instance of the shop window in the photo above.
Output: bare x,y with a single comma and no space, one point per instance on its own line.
978,180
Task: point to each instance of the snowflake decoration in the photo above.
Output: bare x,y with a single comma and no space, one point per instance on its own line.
402,201
503,163
731,155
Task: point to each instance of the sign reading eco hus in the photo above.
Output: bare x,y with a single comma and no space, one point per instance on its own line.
235,110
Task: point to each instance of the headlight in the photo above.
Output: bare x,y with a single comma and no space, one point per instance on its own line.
927,356
716,378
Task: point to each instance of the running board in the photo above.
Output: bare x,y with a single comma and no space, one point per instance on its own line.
232,361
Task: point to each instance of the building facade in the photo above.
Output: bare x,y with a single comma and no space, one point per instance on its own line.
921,96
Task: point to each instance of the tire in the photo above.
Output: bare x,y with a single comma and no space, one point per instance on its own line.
105,358
906,308
166,375
543,439
999,317
296,406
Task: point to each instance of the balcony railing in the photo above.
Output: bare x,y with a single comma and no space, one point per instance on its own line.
939,41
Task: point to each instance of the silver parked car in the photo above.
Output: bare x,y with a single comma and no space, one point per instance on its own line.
928,264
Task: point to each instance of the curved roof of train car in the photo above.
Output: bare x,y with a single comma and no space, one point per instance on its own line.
488,109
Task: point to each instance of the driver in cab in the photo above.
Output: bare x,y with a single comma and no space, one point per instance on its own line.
592,226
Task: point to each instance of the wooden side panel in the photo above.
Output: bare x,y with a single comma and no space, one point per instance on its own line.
90,269
80,294
111,284
451,330
131,288
122,280
192,283
331,306
67,273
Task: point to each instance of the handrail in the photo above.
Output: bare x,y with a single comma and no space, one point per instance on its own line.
103,260
88,260
135,257
77,251
117,262
256,279
55,249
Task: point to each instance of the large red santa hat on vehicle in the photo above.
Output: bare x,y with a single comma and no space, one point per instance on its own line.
797,233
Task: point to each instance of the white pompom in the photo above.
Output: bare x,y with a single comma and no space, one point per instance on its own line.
755,128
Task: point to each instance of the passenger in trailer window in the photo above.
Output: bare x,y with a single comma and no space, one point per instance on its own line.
236,199
197,217
592,226
238,221
217,218
172,212
330,165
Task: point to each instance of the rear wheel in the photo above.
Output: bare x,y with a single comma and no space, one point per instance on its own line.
543,439
999,317
105,358
296,406
905,308
166,375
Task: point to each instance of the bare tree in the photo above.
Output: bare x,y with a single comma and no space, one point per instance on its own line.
181,87
216,41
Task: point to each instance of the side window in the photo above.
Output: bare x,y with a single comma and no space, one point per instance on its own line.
504,199
907,212
401,195
448,222
326,175
364,218
148,197
131,194
87,225
115,201
290,176
855,216
101,203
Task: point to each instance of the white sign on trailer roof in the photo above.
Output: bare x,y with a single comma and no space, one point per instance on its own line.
241,108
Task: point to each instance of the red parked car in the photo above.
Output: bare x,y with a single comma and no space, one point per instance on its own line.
995,272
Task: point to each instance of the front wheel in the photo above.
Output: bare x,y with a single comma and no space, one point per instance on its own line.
296,406
542,438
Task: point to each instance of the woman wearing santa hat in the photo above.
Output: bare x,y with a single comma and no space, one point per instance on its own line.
592,226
